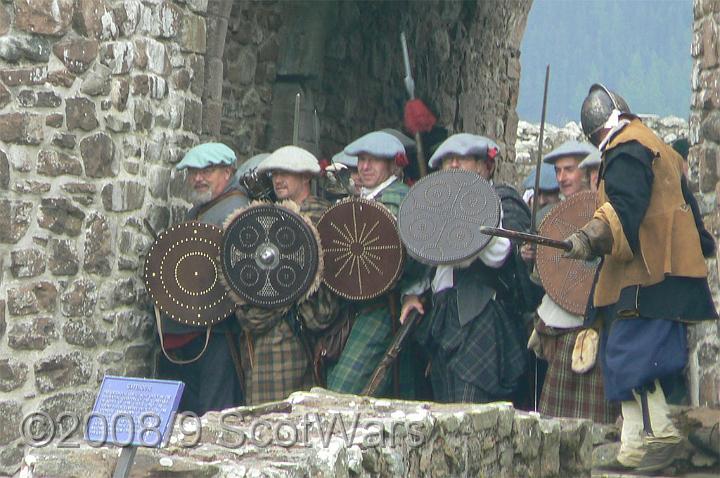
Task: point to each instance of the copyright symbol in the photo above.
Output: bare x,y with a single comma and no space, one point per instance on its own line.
37,429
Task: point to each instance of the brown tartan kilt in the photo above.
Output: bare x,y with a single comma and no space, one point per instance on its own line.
569,394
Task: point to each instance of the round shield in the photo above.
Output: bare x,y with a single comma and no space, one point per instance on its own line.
440,217
567,281
362,252
182,275
269,256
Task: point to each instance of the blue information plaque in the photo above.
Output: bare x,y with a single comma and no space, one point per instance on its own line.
133,412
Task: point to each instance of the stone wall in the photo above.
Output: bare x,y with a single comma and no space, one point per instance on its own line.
250,65
346,61
320,434
465,61
97,99
705,173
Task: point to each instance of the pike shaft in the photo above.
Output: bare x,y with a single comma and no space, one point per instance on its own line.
533,219
522,236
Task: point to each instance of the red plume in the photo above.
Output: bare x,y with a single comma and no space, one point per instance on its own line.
324,163
401,160
492,152
418,118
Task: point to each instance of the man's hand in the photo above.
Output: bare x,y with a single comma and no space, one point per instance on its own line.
528,252
410,303
581,249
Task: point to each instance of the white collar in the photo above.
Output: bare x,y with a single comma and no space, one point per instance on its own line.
371,193
616,125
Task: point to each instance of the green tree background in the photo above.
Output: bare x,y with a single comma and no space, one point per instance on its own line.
639,48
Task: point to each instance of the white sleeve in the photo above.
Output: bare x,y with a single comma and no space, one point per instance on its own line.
496,251
494,254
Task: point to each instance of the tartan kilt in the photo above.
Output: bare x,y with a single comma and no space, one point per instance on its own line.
280,365
569,394
369,339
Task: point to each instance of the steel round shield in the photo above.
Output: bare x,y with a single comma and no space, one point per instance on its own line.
440,217
182,274
269,256
567,281
362,253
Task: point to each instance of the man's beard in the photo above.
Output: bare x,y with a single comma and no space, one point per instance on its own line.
200,198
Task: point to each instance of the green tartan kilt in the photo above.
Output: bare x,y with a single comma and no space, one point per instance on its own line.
369,339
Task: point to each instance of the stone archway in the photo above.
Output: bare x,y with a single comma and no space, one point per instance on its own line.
345,57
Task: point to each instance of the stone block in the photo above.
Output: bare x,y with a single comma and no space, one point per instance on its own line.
127,16
60,216
27,263
98,246
13,374
169,20
213,79
55,163
158,180
54,120
88,18
82,332
61,78
118,56
29,186
21,128
192,116
143,115
64,140
24,47
710,127
77,54
46,17
119,94
62,371
80,114
158,61
5,96
118,124
130,325
3,324
159,217
4,171
200,6
79,299
10,420
141,353
24,76
575,446
98,82
62,257
33,334
15,221
180,79
193,35
5,20
197,67
80,403
710,41
123,196
140,85
98,155
708,159
242,71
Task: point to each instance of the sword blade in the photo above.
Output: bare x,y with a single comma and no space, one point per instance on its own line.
525,237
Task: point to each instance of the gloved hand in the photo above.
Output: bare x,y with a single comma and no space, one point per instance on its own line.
535,344
581,248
